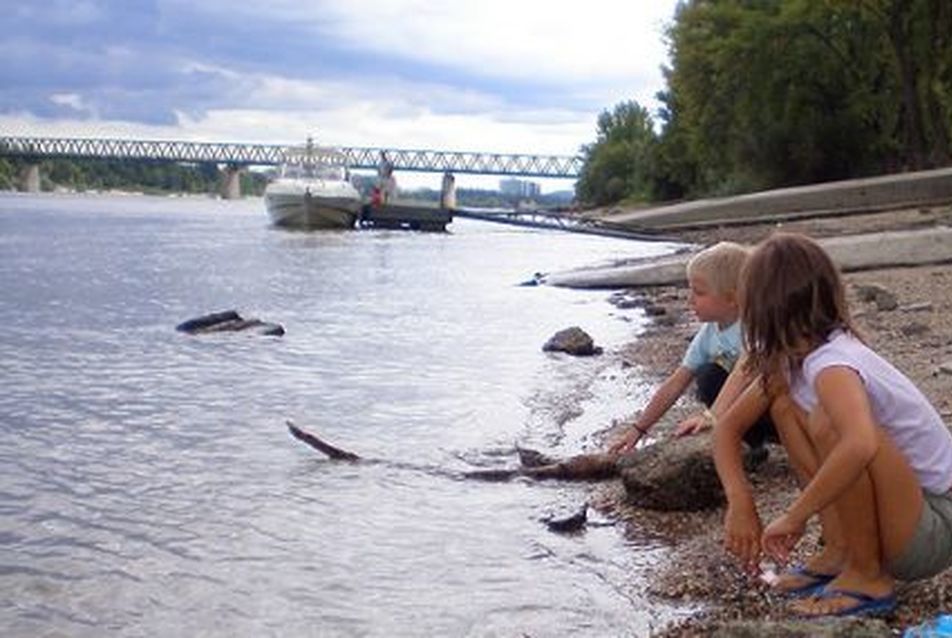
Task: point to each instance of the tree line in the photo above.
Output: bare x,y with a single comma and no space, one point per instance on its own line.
769,93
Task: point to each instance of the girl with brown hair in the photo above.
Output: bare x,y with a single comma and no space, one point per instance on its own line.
872,454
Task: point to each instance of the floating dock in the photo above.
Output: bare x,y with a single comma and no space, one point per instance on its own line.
405,217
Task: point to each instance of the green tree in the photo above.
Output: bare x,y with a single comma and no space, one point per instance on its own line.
618,164
765,93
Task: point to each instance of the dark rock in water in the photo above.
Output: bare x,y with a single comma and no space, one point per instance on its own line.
537,279
673,475
207,321
228,321
493,475
568,524
533,458
574,341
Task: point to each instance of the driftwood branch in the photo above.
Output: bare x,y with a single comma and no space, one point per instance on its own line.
585,467
320,445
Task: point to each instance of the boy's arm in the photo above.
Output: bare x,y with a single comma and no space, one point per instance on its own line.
742,526
661,401
736,382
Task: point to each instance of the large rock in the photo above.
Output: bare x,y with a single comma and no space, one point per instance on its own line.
673,475
574,341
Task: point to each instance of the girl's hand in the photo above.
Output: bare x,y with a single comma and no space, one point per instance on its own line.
692,425
781,536
742,530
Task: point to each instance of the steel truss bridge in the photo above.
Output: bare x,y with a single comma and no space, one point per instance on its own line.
241,155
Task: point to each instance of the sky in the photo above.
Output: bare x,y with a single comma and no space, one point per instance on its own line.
501,76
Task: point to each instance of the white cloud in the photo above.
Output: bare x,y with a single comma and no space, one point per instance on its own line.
585,41
588,42
72,100
479,55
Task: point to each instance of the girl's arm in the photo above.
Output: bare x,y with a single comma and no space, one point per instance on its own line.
741,523
843,400
737,381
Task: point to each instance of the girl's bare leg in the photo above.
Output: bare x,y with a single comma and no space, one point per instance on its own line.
883,506
792,423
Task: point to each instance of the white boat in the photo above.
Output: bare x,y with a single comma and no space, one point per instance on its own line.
312,190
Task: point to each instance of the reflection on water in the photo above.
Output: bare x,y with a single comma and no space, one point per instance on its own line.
147,483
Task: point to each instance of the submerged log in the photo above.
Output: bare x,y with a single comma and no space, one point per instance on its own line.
671,475
320,445
584,467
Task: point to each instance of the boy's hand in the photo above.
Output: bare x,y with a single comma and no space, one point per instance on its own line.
692,425
742,534
626,442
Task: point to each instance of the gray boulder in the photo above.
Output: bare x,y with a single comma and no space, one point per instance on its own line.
574,341
673,475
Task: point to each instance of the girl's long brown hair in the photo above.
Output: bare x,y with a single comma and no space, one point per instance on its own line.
792,297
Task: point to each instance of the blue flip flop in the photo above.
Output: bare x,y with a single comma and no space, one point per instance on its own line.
815,584
865,605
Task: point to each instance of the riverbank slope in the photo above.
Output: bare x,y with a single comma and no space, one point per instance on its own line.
909,322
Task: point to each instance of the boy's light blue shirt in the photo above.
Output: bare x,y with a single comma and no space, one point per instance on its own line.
713,345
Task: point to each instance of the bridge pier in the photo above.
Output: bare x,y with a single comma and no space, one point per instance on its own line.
30,178
231,182
448,192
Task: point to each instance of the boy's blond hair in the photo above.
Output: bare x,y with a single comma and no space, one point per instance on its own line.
720,265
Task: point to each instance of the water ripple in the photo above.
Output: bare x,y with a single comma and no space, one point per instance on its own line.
149,485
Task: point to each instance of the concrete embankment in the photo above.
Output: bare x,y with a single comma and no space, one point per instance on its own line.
923,188
852,252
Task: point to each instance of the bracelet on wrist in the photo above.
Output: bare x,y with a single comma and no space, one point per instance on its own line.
641,431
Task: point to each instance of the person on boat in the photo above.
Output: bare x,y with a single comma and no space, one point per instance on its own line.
872,455
386,187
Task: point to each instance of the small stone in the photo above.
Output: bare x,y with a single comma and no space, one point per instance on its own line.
914,329
880,295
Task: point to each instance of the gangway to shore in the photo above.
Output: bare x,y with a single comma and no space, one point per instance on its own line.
553,220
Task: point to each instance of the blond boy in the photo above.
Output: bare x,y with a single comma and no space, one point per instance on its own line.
713,275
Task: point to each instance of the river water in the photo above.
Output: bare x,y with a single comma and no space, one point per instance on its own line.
148,484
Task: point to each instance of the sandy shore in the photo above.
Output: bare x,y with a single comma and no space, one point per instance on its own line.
915,335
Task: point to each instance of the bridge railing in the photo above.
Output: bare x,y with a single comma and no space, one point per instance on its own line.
559,166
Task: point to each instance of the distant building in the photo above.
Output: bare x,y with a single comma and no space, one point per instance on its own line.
519,188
